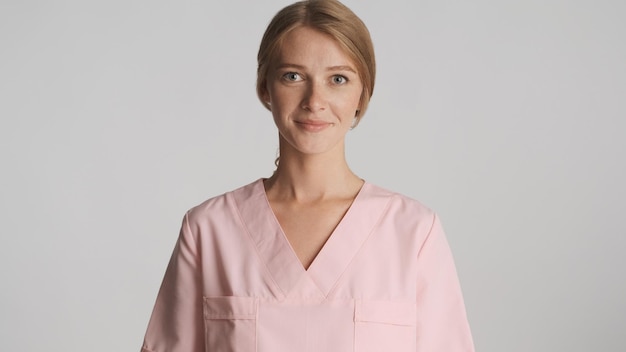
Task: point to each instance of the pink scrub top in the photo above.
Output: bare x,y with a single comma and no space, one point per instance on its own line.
384,281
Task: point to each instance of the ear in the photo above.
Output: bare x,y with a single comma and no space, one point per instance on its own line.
267,101
359,107
265,96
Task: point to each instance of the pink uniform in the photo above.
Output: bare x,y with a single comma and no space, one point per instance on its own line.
384,281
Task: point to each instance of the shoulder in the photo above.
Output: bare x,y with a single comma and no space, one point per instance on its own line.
223,206
409,220
401,204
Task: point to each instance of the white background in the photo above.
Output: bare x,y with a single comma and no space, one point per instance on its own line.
506,117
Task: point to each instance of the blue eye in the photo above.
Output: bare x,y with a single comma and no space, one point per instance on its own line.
339,79
292,76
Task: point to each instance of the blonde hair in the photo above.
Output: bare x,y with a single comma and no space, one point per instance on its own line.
330,17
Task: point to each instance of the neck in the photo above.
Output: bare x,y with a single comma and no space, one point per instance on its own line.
312,177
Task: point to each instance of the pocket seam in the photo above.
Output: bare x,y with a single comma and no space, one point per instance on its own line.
398,313
230,308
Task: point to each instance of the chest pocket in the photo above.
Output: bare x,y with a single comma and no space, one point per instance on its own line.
382,326
230,324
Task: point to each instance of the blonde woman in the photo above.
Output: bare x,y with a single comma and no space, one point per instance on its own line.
313,258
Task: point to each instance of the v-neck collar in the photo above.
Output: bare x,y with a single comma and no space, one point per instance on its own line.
332,260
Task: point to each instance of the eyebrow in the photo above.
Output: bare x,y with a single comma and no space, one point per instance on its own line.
331,68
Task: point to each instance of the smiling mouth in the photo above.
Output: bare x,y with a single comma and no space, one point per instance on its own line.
313,126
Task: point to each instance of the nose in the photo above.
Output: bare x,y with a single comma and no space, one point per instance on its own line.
315,98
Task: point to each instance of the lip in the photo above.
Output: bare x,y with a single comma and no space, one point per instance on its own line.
313,125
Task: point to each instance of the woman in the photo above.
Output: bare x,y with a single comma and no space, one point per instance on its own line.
312,258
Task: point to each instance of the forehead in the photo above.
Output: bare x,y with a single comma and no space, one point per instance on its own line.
305,45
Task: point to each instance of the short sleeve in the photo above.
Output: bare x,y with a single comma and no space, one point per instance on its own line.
442,324
176,324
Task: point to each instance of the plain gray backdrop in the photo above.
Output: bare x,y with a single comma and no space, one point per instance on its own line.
506,117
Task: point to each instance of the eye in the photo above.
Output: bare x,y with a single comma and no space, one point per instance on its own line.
338,79
292,77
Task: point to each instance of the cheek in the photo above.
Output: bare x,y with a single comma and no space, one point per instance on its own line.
357,92
352,100
282,97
